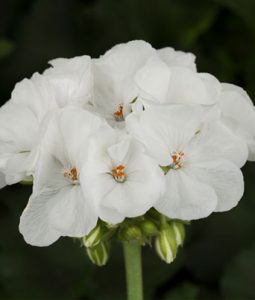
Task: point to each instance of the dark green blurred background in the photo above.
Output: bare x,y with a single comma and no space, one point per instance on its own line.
218,260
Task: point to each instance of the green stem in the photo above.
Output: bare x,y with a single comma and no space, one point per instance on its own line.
133,264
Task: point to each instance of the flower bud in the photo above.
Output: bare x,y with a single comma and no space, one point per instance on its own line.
179,230
99,254
130,232
165,244
148,228
95,236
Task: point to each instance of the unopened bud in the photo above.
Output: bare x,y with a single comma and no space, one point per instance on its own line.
131,232
95,236
179,230
148,228
99,254
165,244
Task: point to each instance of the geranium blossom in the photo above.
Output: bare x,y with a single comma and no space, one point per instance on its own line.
113,138
58,206
121,179
114,84
199,179
23,118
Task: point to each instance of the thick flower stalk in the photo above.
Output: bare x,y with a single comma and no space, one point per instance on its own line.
130,146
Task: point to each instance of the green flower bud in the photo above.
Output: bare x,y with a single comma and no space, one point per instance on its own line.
130,232
165,244
95,236
179,230
99,254
148,228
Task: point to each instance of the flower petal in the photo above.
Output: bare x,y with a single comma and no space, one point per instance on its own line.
153,80
34,224
187,87
224,177
72,216
54,213
177,58
236,105
72,79
216,141
186,198
36,94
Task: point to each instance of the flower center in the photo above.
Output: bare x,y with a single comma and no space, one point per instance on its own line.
177,160
119,174
72,175
118,114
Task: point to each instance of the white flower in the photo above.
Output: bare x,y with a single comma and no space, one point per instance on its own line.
114,85
239,114
24,118
122,181
58,206
230,146
72,79
21,121
199,178
166,83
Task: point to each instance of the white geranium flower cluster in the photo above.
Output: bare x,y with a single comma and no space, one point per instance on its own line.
110,138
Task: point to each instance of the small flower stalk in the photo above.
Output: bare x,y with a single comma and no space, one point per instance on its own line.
148,228
130,233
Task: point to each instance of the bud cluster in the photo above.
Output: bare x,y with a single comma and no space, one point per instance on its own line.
166,234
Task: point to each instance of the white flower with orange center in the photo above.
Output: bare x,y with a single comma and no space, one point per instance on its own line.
118,173
58,206
201,174
22,119
114,86
120,179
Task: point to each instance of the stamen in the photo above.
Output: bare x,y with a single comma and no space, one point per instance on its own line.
118,114
71,175
178,160
119,174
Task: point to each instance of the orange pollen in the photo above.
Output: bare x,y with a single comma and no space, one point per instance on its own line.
178,160
118,173
71,174
118,114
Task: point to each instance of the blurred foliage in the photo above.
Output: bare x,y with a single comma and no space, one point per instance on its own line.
218,259
237,282
6,47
